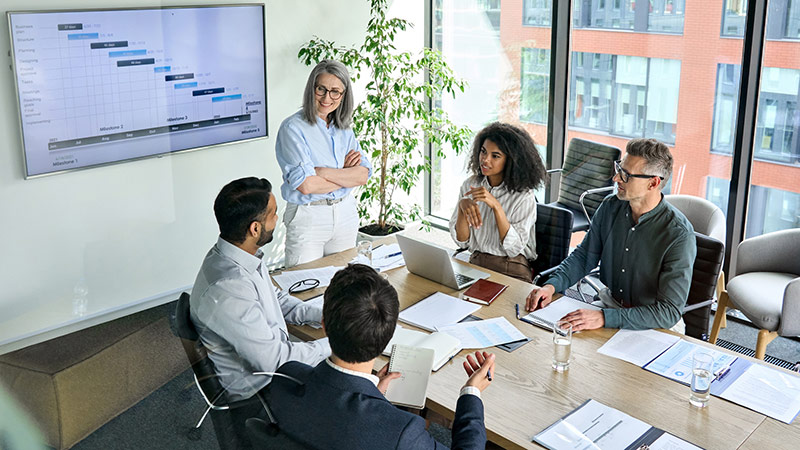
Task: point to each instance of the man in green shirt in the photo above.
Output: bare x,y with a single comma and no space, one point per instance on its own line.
645,248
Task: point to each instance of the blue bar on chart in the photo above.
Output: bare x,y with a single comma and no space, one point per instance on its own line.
185,85
74,37
162,69
226,97
120,53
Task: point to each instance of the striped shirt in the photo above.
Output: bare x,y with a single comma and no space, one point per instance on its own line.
520,209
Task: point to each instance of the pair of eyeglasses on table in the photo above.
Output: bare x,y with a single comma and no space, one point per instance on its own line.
303,285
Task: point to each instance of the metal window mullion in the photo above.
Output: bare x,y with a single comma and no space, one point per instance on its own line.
753,50
429,153
559,80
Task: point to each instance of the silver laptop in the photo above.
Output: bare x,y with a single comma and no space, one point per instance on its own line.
433,262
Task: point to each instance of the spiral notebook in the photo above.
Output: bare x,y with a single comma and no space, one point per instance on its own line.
414,364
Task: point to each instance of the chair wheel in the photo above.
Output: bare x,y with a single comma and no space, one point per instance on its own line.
194,434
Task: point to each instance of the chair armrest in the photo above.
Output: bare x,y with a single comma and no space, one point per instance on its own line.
790,315
594,191
545,273
692,307
555,170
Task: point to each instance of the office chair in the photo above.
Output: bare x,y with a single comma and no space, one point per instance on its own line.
706,218
269,436
765,287
553,233
705,273
228,417
587,173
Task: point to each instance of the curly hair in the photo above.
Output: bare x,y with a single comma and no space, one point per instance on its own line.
524,168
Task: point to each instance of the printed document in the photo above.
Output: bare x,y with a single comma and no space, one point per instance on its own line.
436,311
637,346
676,363
766,390
484,333
384,257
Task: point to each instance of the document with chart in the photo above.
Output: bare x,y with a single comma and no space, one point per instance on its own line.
102,86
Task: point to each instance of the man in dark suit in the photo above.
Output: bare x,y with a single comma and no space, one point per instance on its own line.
340,404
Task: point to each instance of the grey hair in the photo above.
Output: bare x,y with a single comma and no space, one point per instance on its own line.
342,117
657,157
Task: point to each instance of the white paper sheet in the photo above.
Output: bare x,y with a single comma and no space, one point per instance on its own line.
384,257
593,426
436,311
484,333
553,312
669,442
637,347
463,256
676,363
289,277
768,391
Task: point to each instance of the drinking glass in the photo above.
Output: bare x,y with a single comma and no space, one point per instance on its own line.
562,345
702,375
365,252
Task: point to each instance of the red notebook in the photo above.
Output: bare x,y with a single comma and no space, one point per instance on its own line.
483,292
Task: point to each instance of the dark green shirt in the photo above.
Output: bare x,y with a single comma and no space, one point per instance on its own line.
646,265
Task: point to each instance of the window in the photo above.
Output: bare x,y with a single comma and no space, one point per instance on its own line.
537,13
535,85
769,210
661,16
778,123
783,19
642,92
733,17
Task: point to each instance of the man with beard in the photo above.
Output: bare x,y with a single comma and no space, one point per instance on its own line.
240,315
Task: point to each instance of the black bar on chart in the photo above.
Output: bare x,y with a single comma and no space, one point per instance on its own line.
179,76
136,62
114,44
70,26
219,90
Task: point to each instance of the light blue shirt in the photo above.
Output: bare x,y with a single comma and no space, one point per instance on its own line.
241,318
301,146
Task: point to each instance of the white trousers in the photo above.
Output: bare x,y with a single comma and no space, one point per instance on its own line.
314,231
606,300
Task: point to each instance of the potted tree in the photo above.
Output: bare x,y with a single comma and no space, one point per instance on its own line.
395,118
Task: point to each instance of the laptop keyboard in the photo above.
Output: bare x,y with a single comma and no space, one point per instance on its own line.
463,279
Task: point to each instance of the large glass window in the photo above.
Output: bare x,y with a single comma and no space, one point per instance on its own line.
535,85
506,63
625,95
770,209
783,19
661,16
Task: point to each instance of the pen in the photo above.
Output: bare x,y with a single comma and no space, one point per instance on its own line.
489,374
392,255
516,306
722,373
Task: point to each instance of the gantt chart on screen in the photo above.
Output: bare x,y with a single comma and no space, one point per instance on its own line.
102,86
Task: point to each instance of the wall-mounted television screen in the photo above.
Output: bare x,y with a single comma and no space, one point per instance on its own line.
104,86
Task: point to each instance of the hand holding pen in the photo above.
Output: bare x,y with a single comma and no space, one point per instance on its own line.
480,370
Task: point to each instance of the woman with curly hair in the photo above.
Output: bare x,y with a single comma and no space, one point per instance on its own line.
496,213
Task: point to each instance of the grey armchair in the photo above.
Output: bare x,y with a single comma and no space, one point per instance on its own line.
765,287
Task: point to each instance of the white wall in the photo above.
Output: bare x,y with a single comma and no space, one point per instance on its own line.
140,229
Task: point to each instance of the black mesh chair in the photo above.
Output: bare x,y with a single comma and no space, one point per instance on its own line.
228,417
553,233
269,436
705,272
585,177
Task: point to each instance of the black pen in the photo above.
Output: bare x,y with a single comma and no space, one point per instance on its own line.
516,306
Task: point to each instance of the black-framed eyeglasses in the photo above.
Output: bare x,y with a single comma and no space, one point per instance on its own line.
624,175
335,94
303,285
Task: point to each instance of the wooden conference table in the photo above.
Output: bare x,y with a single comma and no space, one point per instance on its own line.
526,395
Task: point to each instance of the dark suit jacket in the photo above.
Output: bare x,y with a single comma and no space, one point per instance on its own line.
334,410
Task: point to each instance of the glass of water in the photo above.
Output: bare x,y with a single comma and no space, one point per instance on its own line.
365,252
702,375
562,344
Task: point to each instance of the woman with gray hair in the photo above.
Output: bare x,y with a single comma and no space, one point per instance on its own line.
321,163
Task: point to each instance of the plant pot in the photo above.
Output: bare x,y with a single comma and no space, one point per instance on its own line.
371,232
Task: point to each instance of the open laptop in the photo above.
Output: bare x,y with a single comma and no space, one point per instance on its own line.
433,262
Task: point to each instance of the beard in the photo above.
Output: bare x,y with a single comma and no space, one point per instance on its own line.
265,237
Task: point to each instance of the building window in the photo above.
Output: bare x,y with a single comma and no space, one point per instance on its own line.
725,108
768,210
537,13
535,85
661,16
783,19
644,93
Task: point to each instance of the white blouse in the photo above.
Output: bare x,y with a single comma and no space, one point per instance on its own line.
520,209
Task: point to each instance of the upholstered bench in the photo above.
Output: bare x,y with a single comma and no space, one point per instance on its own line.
74,384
